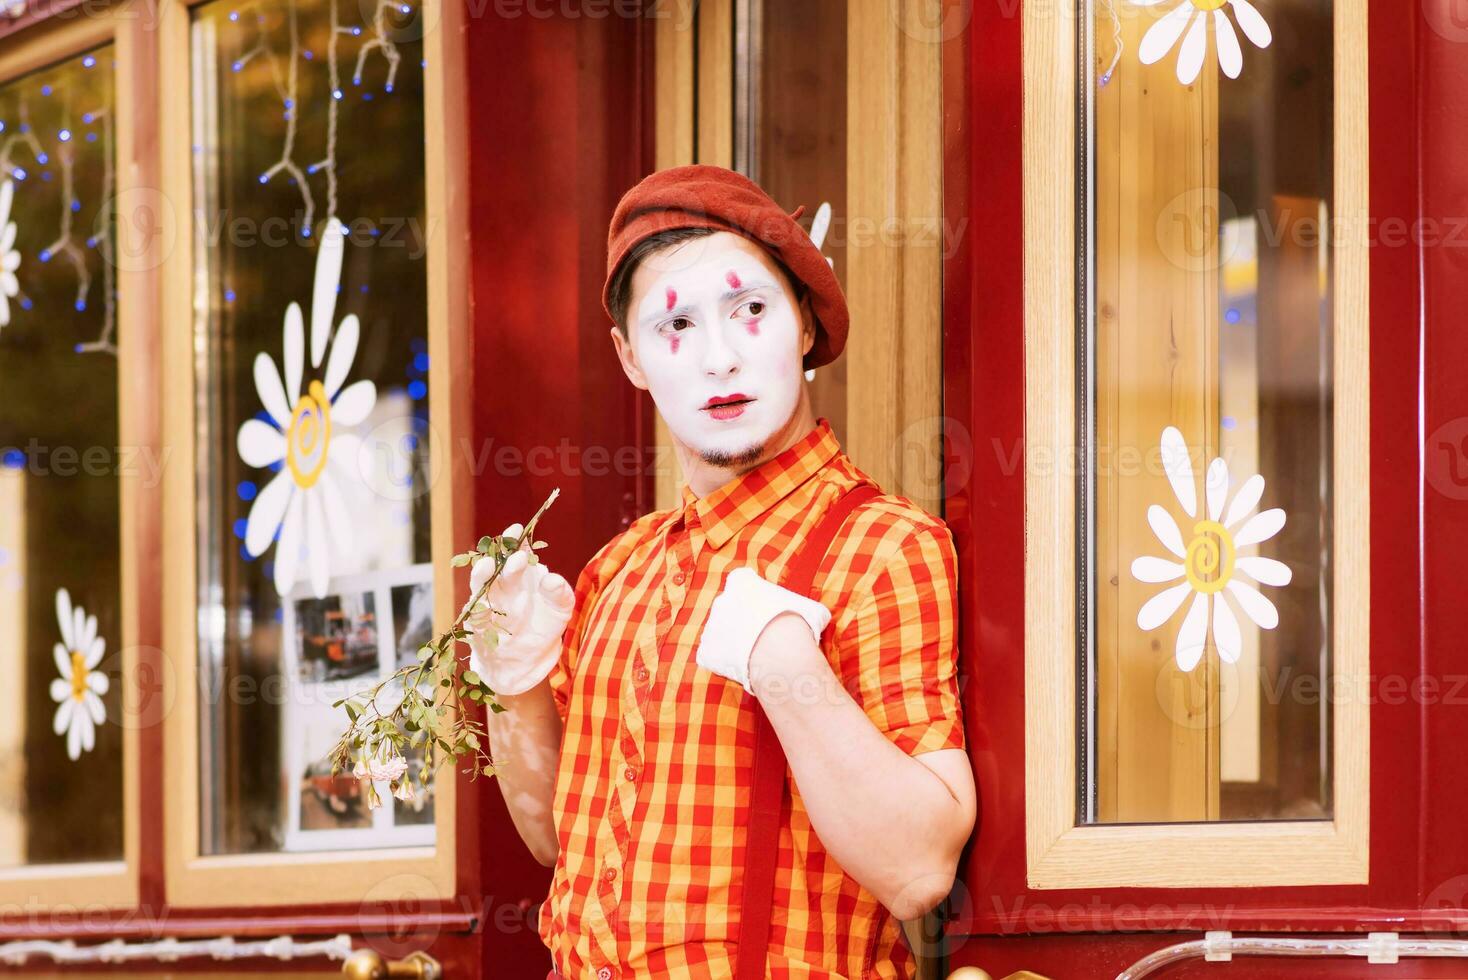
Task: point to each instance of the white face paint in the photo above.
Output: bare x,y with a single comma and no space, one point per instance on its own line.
719,340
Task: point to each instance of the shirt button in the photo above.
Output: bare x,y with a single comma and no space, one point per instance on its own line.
641,672
610,874
605,973
678,579
631,773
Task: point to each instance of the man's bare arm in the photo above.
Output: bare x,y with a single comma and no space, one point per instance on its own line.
896,823
525,741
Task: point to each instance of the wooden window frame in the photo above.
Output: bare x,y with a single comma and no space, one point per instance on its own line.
106,884
275,879
1060,853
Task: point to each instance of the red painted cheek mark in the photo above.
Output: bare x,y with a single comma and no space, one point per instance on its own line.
672,296
673,343
753,327
732,278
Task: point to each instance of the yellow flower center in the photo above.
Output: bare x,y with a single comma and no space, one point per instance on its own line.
309,435
1209,4
1210,561
78,675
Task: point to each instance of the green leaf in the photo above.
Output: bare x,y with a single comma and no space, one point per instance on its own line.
459,561
469,677
486,545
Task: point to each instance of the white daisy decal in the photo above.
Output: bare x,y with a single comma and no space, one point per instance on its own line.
304,502
9,254
78,691
1208,561
1190,20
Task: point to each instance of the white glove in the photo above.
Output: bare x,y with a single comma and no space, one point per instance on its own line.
740,613
516,645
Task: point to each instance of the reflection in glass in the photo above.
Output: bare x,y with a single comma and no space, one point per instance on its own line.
312,367
1208,337
61,760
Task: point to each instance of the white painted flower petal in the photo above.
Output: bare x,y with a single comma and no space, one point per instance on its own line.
88,634
288,551
74,735
99,682
1154,570
343,352
11,262
1254,604
1192,636
295,353
354,403
323,291
95,650
1159,609
62,656
83,721
94,708
78,626
318,551
7,239
1244,501
1194,49
1260,527
1216,487
7,198
1226,634
260,443
60,690
1179,466
1265,570
343,541
267,512
271,392
1161,36
343,452
1230,58
64,618
1256,28
62,719
1166,530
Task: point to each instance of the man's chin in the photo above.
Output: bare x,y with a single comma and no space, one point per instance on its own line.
733,459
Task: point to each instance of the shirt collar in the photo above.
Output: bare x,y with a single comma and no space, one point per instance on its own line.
726,511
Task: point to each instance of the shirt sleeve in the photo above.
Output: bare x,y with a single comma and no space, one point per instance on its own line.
900,647
587,588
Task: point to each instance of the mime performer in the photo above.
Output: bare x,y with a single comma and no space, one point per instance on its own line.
738,740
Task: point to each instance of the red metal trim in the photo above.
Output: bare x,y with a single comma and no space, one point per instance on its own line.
984,372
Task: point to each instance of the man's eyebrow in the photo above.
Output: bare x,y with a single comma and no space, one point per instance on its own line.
745,287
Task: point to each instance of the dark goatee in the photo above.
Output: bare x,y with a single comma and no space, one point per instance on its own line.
734,461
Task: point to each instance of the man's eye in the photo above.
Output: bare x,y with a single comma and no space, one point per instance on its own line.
754,307
678,323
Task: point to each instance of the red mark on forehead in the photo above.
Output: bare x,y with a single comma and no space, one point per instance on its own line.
732,278
672,297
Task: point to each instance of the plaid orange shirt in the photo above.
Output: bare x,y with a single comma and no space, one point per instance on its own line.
655,766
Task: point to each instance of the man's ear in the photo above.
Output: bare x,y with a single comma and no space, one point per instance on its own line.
628,357
807,324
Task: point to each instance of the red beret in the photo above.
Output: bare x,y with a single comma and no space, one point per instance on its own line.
702,196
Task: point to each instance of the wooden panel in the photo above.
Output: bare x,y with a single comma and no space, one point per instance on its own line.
894,366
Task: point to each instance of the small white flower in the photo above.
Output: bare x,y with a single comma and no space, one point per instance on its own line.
78,691
9,254
304,500
403,789
388,769
1209,559
1189,21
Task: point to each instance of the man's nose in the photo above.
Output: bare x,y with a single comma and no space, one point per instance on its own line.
720,359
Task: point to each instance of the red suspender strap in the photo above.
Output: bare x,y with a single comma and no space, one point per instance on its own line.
768,793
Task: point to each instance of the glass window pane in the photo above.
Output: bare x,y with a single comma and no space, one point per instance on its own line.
1207,502
312,364
60,615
